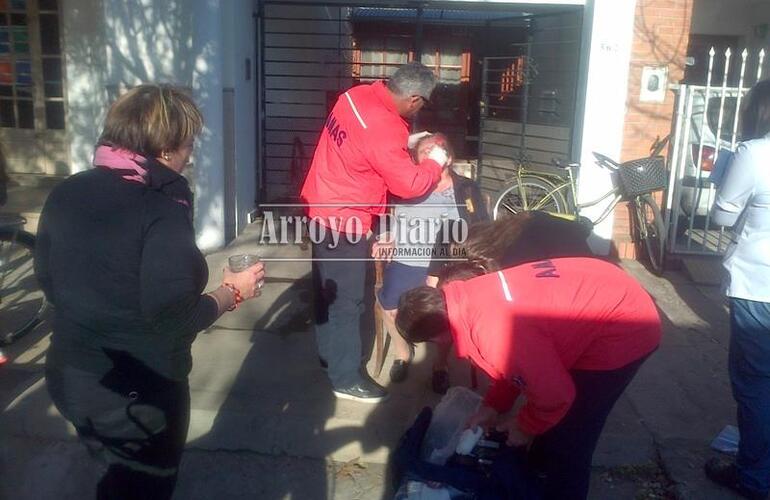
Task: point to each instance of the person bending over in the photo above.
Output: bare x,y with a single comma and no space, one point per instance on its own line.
568,334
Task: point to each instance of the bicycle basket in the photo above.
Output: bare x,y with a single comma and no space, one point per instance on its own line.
641,176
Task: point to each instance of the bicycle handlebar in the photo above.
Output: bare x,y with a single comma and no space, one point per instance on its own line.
606,161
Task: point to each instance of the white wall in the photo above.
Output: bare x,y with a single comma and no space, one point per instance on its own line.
238,30
110,45
207,52
83,34
608,34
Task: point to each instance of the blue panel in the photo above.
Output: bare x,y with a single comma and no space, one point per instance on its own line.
23,67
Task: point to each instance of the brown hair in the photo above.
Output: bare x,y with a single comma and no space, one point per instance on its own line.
422,314
462,271
488,241
152,119
755,117
524,237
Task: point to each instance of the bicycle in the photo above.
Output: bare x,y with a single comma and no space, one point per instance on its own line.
22,302
632,181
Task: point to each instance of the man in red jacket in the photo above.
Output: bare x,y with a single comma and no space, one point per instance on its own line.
568,333
361,156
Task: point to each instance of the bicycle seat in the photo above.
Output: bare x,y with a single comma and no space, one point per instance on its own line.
558,163
606,161
11,221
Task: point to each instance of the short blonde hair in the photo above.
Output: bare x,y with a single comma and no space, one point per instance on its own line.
152,119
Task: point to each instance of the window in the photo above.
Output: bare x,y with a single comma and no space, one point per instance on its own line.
449,61
377,58
513,77
31,88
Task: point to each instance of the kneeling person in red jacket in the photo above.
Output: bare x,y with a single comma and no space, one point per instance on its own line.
569,334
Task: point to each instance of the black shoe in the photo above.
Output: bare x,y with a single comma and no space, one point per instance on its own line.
440,381
725,473
323,363
399,370
363,391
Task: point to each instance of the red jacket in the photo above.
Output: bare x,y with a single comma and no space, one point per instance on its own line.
361,156
529,325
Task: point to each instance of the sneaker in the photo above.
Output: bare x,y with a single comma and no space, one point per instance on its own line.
363,391
725,473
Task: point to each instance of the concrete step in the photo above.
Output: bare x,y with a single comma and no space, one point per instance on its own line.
704,269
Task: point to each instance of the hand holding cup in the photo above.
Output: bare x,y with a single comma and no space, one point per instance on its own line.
247,274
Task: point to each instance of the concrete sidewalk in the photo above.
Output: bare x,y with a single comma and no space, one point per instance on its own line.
265,424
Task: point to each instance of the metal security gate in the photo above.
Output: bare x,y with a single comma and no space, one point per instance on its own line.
528,100
310,52
706,128
305,61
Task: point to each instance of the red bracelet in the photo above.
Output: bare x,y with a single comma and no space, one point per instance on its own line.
236,294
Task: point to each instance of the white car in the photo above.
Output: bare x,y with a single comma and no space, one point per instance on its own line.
690,193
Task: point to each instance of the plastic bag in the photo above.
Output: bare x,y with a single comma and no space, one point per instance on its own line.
448,423
415,490
727,440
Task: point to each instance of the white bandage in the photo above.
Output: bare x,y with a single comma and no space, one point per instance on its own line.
415,138
468,440
439,155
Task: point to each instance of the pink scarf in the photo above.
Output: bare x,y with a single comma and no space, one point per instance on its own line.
125,163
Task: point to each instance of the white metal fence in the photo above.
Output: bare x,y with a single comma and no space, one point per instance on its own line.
707,124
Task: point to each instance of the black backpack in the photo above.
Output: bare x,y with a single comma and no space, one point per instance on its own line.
503,476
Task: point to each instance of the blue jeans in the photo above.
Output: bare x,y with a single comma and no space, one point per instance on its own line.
749,365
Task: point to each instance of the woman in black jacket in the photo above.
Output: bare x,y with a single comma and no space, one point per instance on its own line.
116,255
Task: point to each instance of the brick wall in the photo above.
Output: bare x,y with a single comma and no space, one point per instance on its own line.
661,33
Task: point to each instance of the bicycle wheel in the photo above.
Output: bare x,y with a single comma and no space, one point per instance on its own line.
534,193
22,302
651,235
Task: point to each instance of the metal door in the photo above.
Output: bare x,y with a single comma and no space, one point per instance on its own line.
528,100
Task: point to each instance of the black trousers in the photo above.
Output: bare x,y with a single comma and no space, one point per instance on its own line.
134,425
562,456
340,276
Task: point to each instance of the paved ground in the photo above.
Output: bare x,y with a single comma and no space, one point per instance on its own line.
265,425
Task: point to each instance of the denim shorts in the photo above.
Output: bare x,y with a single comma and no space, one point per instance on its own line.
397,279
